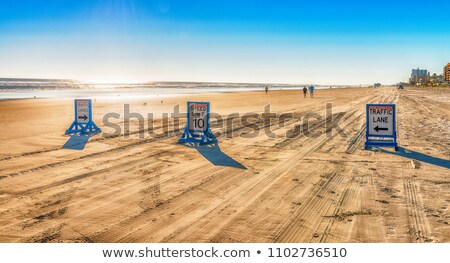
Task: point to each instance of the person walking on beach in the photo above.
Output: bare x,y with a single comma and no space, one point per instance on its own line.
311,91
305,90
267,89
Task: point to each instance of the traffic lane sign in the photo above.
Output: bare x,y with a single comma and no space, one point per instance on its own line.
381,120
83,111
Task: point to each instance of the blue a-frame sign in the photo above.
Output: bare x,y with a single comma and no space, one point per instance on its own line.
83,123
381,126
197,124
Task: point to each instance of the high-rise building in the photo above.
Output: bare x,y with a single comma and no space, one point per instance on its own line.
419,73
447,72
419,76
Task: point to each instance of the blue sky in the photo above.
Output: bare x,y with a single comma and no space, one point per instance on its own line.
321,42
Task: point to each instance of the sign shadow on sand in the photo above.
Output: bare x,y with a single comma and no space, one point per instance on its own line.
403,152
214,154
77,141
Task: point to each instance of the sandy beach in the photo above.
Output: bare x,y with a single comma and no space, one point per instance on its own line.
248,188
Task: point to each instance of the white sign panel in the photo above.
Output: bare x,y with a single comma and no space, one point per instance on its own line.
82,111
197,116
381,120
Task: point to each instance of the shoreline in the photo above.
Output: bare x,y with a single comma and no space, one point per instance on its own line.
93,93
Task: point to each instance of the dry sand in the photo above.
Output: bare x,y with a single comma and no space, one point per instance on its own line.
302,189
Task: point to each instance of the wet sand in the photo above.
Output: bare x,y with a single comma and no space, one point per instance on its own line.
323,188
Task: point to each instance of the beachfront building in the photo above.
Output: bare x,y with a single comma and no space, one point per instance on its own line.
447,72
436,79
419,76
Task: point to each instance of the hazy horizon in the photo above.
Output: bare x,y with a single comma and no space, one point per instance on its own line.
163,82
122,41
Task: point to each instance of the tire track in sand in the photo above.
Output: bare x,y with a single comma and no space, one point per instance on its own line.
419,228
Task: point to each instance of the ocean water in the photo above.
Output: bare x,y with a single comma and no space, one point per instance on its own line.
42,88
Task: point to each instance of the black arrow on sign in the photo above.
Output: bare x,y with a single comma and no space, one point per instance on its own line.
85,117
380,129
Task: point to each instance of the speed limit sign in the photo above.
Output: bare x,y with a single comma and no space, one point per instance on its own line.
197,128
197,116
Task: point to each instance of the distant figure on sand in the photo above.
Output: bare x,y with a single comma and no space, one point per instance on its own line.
305,90
311,90
267,89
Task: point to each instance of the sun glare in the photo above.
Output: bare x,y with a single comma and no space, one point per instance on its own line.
110,81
